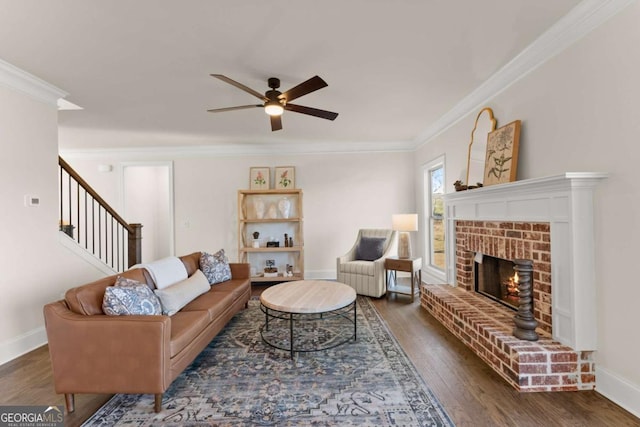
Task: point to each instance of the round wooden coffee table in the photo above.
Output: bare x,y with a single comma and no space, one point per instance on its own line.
307,300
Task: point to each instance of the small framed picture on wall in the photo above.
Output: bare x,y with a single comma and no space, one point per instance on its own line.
259,178
285,177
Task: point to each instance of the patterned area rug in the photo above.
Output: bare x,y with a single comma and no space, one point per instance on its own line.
238,380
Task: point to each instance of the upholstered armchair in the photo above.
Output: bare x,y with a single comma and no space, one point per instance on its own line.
362,267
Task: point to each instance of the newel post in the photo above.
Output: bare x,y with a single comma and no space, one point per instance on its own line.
525,321
135,245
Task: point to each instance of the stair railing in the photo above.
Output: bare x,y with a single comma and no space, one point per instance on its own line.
89,220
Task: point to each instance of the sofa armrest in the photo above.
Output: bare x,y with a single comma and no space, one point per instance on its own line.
240,270
108,354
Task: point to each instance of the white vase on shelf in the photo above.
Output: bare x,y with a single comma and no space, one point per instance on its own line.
272,213
284,206
258,207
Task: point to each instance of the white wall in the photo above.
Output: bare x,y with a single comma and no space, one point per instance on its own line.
147,200
36,268
580,112
342,193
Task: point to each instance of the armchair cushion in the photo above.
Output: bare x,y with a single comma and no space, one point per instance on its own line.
365,268
370,248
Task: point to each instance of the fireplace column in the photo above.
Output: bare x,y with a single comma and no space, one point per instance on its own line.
525,322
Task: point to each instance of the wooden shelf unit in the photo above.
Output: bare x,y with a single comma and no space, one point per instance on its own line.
248,222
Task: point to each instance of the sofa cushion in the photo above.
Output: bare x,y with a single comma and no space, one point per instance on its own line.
212,302
236,287
130,297
176,296
370,248
215,267
185,327
358,267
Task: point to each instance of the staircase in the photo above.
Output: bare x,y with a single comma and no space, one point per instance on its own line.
94,225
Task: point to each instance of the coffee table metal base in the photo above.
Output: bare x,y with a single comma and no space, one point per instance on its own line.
292,318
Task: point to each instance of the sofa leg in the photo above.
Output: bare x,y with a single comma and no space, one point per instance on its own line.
158,402
69,402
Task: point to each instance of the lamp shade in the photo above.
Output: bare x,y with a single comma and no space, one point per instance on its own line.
404,222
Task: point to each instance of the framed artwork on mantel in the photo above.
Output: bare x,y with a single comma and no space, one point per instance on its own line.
502,154
259,178
285,177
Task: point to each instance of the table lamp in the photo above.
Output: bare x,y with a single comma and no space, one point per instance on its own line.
404,223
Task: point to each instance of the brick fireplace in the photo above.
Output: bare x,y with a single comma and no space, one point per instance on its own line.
549,221
509,240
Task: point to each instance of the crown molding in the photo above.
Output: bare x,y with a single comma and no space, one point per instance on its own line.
21,81
240,149
581,20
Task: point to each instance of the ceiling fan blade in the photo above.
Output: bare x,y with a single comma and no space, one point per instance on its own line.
240,86
240,107
311,85
323,114
276,123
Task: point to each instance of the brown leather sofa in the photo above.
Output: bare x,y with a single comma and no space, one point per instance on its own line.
95,353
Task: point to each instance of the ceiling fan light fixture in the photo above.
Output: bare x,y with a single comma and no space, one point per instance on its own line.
273,108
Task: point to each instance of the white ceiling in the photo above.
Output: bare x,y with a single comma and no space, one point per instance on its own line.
140,69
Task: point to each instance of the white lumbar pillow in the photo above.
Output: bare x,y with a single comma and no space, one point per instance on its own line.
176,296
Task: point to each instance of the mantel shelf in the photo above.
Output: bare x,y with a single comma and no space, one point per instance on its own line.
517,189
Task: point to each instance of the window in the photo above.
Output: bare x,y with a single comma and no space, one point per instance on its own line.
434,217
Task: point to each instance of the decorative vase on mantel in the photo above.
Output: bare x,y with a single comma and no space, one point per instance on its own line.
284,206
258,207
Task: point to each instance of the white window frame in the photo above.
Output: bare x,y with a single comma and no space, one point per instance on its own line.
432,273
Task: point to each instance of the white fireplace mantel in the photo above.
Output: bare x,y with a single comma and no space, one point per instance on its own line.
566,203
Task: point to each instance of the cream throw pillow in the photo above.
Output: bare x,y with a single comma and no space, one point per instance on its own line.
176,296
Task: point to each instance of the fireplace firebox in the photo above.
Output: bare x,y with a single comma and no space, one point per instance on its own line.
495,278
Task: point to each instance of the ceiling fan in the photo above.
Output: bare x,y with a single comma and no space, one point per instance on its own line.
275,102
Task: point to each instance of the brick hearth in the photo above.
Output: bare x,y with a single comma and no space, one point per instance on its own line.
486,327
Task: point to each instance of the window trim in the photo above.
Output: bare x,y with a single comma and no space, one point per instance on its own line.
432,273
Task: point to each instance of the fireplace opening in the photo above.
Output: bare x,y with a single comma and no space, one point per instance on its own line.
496,279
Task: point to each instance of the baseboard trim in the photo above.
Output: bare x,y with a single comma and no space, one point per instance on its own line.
22,344
618,390
320,275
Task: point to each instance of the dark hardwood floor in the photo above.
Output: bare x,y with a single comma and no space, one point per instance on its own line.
470,391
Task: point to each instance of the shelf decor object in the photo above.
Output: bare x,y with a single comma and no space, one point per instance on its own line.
502,154
284,206
259,178
283,217
404,224
285,177
477,156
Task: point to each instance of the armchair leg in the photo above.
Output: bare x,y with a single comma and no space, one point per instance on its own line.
69,402
158,402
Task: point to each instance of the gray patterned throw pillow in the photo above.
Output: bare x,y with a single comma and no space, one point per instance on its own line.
130,297
215,267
